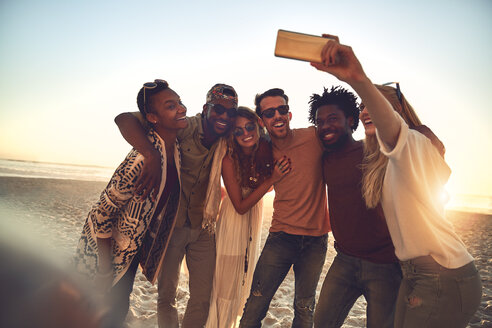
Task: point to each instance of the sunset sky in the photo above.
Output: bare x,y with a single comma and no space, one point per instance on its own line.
67,68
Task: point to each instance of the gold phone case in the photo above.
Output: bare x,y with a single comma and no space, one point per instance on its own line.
299,46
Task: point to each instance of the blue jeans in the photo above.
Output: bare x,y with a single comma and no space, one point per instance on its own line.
350,277
281,251
433,296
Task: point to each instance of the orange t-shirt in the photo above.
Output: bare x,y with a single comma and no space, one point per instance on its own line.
300,204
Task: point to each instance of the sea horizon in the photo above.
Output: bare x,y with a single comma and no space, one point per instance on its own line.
49,170
52,170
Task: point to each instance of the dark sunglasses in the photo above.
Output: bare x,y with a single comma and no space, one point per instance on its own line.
150,85
398,91
240,131
270,112
219,109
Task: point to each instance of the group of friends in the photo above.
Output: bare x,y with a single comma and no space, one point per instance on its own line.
393,243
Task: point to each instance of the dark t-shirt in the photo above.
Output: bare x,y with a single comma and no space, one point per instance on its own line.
358,231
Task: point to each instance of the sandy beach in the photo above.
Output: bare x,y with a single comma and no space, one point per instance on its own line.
46,216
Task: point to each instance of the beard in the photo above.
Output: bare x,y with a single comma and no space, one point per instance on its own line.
337,144
211,128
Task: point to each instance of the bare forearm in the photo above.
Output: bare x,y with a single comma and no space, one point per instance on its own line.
381,112
134,133
243,205
341,61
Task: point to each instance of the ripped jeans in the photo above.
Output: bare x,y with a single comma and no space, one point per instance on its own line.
282,251
431,295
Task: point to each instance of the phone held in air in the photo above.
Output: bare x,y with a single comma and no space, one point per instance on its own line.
299,46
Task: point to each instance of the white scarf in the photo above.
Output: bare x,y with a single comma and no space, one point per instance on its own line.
213,196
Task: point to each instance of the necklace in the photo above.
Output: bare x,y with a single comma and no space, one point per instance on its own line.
253,178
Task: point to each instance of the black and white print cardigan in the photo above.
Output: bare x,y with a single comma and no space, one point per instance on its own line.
125,217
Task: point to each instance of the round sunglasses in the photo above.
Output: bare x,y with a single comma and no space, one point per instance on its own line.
238,131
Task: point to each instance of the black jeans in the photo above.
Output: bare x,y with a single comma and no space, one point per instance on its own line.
119,297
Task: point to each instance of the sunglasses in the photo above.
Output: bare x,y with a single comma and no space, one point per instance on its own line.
398,91
219,110
149,86
270,112
238,131
361,107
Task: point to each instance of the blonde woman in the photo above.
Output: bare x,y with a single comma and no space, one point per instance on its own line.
441,286
248,172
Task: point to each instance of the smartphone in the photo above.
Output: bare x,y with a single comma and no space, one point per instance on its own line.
299,46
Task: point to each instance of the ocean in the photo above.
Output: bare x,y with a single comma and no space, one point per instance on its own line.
28,169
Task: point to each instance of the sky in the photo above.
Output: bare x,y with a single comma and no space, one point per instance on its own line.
67,68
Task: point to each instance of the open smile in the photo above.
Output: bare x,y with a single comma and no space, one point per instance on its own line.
328,136
367,121
221,124
249,138
279,124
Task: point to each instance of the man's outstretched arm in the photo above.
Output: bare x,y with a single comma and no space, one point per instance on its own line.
135,134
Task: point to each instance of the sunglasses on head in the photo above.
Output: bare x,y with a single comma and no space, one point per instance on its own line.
238,131
361,107
398,91
270,112
151,85
219,110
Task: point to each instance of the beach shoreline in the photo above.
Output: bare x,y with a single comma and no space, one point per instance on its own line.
48,214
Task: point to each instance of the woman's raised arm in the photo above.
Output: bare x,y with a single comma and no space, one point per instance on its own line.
340,61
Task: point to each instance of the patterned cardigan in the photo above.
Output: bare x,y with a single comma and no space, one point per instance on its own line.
126,217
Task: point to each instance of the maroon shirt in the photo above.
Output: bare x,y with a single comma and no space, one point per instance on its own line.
358,231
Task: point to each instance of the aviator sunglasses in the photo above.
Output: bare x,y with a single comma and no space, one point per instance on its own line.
270,112
219,109
238,131
151,85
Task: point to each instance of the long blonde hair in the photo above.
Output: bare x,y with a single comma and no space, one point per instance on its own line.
374,162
